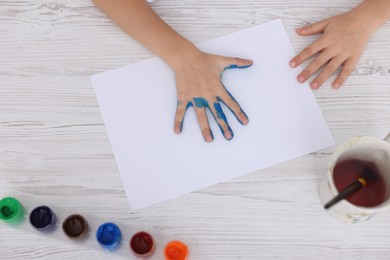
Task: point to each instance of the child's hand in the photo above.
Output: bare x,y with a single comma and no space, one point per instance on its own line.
342,41
198,84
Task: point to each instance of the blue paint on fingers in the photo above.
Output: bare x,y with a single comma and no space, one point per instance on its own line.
241,111
201,102
220,115
235,66
189,104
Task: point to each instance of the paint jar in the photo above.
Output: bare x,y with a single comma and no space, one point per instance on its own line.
150,243
142,244
11,210
109,236
75,226
176,250
43,218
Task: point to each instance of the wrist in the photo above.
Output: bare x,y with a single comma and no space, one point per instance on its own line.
183,52
377,12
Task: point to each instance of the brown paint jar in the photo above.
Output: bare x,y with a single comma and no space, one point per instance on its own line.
75,226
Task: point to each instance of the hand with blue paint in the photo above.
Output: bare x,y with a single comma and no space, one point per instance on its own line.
343,40
198,84
198,74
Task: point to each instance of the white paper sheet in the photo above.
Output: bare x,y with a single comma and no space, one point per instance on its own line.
138,104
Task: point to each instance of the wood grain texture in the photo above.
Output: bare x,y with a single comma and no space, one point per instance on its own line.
54,147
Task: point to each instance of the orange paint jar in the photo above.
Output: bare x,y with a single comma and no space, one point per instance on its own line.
176,250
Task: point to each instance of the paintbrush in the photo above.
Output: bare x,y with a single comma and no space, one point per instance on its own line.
365,179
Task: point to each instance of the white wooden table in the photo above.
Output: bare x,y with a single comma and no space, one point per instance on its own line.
54,147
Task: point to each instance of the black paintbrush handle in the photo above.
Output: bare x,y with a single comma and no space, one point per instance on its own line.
352,188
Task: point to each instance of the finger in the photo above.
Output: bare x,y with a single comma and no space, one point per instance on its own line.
314,28
233,105
220,117
315,65
331,68
237,63
179,116
200,108
306,53
345,72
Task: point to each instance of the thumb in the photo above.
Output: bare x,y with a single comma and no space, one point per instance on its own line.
237,63
314,28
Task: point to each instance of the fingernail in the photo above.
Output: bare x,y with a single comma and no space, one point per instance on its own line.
336,85
245,121
314,85
208,138
299,30
177,130
293,64
229,135
301,79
